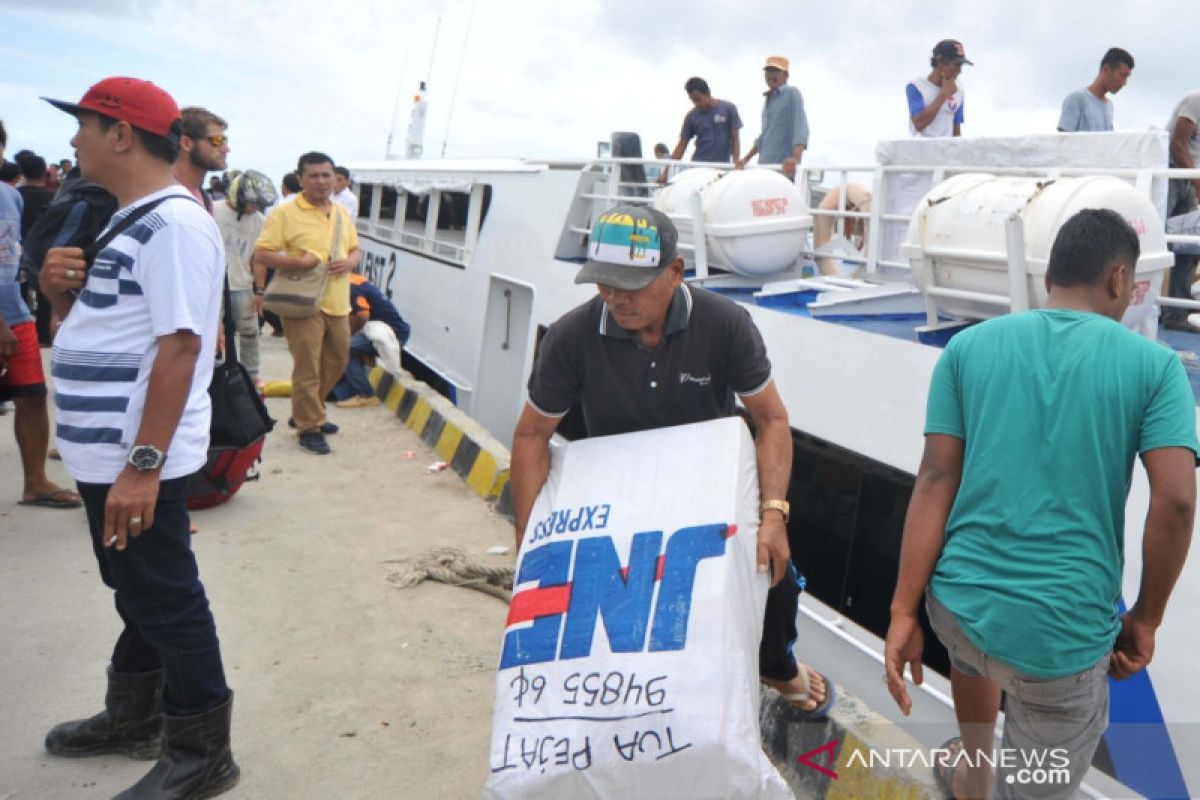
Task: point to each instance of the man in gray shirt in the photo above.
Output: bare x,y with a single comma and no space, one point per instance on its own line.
712,123
1089,109
784,136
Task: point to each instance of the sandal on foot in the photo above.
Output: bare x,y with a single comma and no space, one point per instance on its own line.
943,768
54,498
819,712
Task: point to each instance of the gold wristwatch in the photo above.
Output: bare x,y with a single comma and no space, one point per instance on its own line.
782,506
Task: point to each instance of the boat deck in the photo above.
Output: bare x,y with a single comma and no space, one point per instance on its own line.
1186,344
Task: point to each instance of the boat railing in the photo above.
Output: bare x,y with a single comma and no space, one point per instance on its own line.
813,181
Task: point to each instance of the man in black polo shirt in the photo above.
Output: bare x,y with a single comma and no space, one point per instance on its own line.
650,352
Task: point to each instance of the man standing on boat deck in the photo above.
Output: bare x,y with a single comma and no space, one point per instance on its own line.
1184,127
1090,109
713,123
621,355
935,103
203,148
314,232
784,136
132,363
1015,532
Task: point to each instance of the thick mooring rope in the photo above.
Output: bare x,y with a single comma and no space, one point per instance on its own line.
452,566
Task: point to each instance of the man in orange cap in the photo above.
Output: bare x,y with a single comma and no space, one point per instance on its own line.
784,136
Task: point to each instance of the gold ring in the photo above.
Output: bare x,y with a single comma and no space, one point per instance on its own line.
135,521
70,274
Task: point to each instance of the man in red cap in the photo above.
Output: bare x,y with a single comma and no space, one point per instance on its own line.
131,364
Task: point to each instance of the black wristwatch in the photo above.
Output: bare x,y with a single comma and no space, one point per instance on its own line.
146,457
258,291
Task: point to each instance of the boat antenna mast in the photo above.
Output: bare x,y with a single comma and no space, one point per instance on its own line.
388,152
415,145
458,76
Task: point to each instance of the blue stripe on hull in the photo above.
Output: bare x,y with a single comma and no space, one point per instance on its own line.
1138,741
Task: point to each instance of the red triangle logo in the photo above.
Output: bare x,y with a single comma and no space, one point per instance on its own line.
809,759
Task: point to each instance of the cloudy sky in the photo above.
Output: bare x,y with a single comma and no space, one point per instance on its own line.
548,78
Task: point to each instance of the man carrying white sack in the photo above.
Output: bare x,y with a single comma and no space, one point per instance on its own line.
649,352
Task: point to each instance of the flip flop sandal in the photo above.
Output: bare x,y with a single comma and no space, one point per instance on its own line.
53,499
821,711
943,769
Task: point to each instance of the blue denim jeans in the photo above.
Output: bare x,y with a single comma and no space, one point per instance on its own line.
354,379
160,599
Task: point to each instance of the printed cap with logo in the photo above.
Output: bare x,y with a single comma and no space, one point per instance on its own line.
777,62
140,103
951,50
629,247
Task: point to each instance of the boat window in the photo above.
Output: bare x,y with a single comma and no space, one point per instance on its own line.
366,196
452,216
441,223
387,209
415,207
454,209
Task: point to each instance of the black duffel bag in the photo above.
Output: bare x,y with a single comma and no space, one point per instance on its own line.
239,415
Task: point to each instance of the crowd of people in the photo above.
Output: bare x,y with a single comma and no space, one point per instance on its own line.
1012,546
122,270
936,103
133,318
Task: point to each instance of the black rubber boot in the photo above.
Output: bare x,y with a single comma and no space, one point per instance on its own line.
196,762
131,722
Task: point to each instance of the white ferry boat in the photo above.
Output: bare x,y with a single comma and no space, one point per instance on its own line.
480,256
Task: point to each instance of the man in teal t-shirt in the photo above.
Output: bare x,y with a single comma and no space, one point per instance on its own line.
1015,531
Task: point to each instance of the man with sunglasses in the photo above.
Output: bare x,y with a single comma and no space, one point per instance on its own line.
202,149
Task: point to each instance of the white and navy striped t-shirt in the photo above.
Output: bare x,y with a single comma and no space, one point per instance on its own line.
161,275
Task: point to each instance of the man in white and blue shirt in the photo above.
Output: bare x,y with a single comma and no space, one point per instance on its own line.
935,102
131,364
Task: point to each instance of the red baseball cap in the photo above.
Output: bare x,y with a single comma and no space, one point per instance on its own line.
140,103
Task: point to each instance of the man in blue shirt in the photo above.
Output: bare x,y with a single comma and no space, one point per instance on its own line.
1015,531
713,123
367,304
1090,109
784,136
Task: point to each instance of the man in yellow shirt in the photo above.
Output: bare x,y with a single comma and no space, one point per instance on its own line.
300,236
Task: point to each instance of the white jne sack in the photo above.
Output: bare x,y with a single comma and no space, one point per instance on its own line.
629,664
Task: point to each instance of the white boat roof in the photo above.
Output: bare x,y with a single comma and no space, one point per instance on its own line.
370,170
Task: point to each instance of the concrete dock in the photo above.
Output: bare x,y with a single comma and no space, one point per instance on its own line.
347,687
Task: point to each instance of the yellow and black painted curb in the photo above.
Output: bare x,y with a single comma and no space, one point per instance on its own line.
477,456
831,758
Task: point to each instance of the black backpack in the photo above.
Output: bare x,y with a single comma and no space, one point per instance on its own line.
75,217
